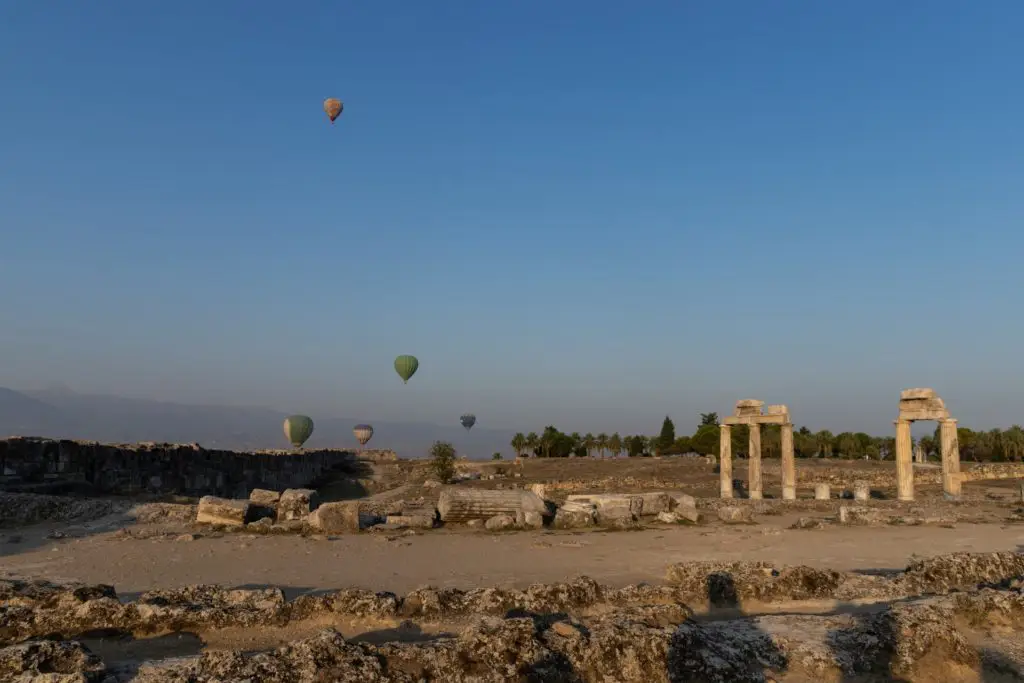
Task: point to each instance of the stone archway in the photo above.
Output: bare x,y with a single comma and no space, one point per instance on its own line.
917,405
748,412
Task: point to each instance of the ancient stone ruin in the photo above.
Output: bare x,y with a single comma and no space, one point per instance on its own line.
925,404
749,412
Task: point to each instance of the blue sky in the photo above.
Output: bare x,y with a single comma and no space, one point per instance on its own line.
582,213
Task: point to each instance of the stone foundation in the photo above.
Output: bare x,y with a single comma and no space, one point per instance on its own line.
29,463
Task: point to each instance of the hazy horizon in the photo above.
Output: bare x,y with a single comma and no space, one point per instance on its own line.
586,215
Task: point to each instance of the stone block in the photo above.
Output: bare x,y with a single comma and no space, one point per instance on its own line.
296,504
777,409
334,518
213,510
655,503
734,514
606,501
687,514
822,492
861,491
682,500
412,521
530,520
500,523
574,516
912,394
264,497
748,407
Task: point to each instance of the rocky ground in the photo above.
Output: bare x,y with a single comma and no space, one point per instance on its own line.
848,591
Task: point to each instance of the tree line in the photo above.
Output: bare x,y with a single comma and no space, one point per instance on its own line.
994,445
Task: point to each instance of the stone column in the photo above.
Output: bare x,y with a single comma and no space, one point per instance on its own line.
725,460
904,462
788,464
754,472
950,457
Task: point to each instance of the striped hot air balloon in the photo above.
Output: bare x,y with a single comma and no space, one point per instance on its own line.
363,433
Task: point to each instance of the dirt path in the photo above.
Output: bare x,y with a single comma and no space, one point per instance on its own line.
470,559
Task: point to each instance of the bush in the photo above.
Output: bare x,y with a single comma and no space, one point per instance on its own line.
442,461
496,456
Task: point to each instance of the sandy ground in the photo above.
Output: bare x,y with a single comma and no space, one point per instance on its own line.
467,559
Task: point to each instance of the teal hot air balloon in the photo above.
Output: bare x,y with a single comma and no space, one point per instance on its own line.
297,429
406,367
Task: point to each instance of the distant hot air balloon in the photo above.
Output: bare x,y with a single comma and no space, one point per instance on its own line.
406,367
333,108
297,429
363,433
468,420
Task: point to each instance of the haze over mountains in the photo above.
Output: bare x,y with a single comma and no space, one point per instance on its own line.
62,413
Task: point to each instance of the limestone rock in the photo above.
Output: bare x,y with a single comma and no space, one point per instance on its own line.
822,492
682,500
735,514
500,523
49,661
411,521
617,517
213,510
530,520
333,518
574,515
296,504
655,503
606,502
461,505
264,497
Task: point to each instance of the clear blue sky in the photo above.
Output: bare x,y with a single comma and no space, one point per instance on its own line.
581,213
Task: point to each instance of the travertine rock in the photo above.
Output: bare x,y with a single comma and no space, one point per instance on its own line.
734,514
411,521
530,520
213,510
296,504
683,500
500,523
335,518
574,515
461,505
822,492
264,497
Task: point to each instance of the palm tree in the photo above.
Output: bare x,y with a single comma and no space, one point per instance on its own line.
615,444
577,442
532,442
590,443
602,443
519,444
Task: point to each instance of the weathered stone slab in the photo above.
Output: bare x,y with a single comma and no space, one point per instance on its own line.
296,504
682,500
655,503
412,521
461,505
530,520
500,523
334,518
919,393
756,420
777,409
606,501
731,514
264,497
213,510
575,516
680,516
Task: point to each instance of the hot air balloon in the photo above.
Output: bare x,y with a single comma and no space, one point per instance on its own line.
406,367
333,108
297,429
468,420
363,433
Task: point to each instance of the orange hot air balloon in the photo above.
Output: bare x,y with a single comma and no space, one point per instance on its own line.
333,108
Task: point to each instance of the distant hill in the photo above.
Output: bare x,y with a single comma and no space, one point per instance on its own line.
60,413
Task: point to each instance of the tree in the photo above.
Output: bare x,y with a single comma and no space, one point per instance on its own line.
708,419
589,443
577,444
615,444
682,445
532,442
667,436
602,443
706,439
634,446
442,461
519,444
496,456
824,441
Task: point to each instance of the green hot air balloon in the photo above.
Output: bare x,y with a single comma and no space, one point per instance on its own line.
297,429
406,367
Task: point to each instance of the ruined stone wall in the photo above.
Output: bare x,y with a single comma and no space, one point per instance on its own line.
183,469
882,476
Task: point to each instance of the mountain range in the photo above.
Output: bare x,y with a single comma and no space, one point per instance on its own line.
62,413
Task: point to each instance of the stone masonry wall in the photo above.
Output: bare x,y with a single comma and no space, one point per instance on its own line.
184,469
